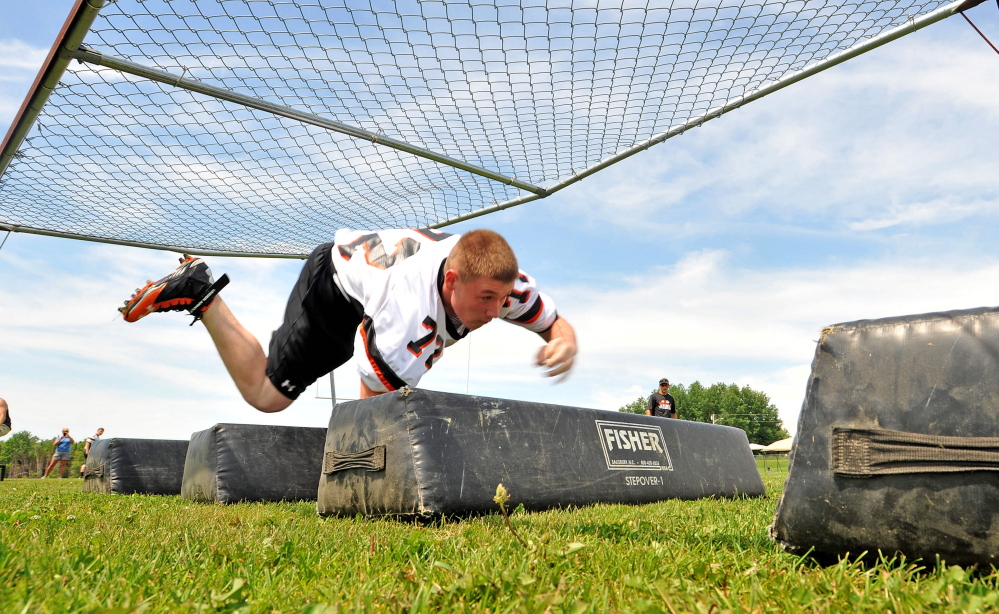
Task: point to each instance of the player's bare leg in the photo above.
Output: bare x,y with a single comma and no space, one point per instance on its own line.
367,393
192,288
243,357
52,463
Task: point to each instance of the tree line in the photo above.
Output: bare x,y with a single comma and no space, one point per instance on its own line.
728,404
26,456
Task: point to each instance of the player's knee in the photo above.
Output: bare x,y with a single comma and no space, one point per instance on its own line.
272,406
269,400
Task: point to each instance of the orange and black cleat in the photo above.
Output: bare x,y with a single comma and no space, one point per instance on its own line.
190,287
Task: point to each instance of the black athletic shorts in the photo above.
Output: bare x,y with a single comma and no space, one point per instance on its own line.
317,335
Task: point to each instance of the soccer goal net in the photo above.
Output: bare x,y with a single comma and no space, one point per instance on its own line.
258,127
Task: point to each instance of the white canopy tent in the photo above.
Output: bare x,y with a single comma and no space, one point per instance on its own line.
782,445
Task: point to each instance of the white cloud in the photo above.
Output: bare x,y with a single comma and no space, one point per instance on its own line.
16,55
923,214
874,143
19,62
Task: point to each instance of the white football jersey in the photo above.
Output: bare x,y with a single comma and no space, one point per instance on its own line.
397,276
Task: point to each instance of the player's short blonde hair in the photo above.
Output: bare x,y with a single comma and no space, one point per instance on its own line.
483,253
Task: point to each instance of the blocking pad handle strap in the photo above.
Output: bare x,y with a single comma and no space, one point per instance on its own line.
95,472
862,453
372,459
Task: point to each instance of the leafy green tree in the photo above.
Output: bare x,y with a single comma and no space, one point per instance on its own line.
728,404
27,456
637,406
24,454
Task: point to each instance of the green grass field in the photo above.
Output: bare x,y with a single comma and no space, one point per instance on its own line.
772,464
62,550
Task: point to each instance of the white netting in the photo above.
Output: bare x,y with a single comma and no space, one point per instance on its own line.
530,89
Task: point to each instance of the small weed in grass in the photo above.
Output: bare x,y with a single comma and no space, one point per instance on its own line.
62,550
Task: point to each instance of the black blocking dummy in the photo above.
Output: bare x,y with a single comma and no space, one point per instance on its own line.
898,442
422,453
229,463
135,466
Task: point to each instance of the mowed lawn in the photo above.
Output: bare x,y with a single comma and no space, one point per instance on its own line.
62,550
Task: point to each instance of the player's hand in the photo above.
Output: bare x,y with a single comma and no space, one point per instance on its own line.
557,357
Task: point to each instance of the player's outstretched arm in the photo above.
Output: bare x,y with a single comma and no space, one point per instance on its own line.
557,356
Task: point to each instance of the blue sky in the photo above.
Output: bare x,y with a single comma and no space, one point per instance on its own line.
866,191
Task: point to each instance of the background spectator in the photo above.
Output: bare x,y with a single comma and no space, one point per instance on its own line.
86,447
4,418
62,453
661,403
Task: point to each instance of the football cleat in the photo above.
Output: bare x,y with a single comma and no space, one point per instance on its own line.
190,287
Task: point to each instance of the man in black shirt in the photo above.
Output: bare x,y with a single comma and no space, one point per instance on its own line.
661,403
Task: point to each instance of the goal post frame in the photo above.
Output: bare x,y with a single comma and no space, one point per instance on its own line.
69,45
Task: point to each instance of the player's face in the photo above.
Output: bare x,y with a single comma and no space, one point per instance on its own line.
478,301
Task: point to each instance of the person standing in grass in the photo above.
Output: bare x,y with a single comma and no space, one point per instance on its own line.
4,418
62,453
661,403
86,447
